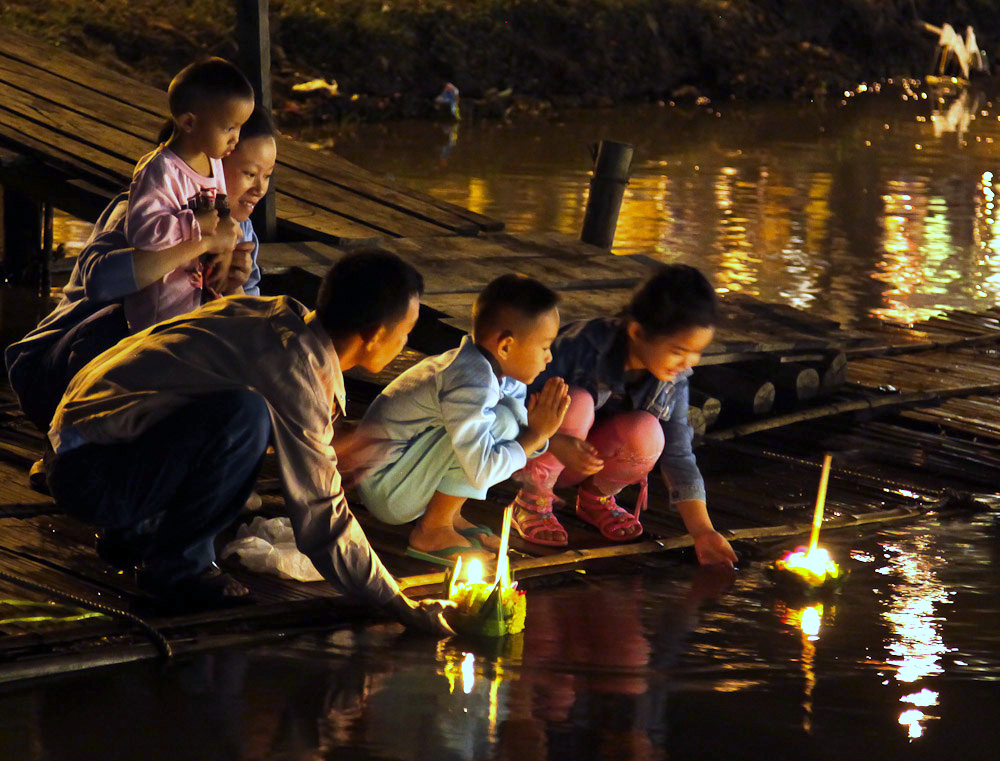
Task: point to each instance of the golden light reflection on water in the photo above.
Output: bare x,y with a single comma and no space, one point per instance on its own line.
914,644
808,620
478,679
833,210
838,211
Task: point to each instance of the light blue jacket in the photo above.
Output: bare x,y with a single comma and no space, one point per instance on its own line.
459,391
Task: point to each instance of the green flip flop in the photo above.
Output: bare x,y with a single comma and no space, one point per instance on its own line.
475,531
445,556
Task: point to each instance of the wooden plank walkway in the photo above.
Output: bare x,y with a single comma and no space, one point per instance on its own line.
590,281
79,128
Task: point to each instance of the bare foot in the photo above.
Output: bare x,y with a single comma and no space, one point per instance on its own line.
437,538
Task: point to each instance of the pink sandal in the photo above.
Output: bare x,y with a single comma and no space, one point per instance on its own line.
606,516
543,519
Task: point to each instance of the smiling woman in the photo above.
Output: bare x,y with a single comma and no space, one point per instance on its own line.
248,172
89,318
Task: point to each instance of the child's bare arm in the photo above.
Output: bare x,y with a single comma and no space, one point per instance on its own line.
546,411
208,221
150,266
576,454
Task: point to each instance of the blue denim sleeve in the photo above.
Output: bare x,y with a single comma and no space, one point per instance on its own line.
105,264
677,464
252,286
573,361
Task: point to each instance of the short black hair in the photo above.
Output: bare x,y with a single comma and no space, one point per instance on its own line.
675,298
518,292
260,124
205,81
366,289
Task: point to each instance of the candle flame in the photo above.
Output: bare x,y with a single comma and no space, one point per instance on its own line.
474,571
813,565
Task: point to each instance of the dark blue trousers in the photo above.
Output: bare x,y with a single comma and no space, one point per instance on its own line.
177,486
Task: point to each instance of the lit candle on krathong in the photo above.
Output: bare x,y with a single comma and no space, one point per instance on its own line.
810,568
481,609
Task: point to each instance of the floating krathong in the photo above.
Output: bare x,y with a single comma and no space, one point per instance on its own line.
486,609
810,570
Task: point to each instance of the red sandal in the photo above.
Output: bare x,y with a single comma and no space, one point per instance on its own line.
541,519
606,516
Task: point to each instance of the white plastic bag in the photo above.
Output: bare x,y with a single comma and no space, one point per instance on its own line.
267,545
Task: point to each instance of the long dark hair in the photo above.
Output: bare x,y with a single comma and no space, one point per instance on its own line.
676,297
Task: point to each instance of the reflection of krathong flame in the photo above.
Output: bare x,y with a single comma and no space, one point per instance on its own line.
475,677
808,620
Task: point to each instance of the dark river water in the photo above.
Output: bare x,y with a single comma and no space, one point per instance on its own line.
877,205
873,207
687,664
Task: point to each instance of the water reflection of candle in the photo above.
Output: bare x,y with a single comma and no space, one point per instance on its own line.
915,645
808,620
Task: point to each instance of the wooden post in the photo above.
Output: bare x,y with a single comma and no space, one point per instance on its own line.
612,163
253,34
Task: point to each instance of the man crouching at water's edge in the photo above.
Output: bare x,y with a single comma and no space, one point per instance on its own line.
158,440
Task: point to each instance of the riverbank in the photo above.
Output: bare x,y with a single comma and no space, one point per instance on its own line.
390,58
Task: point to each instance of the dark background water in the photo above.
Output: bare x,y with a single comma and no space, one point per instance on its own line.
680,663
877,205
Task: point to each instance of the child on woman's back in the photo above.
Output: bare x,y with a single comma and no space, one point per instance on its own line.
455,424
172,200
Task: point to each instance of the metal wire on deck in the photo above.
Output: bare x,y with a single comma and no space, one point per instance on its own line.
903,489
940,497
155,634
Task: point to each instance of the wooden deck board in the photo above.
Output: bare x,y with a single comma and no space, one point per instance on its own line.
95,123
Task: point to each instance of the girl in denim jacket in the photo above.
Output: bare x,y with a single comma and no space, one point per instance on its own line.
628,379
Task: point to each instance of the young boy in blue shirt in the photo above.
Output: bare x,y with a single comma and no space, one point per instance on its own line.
455,424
